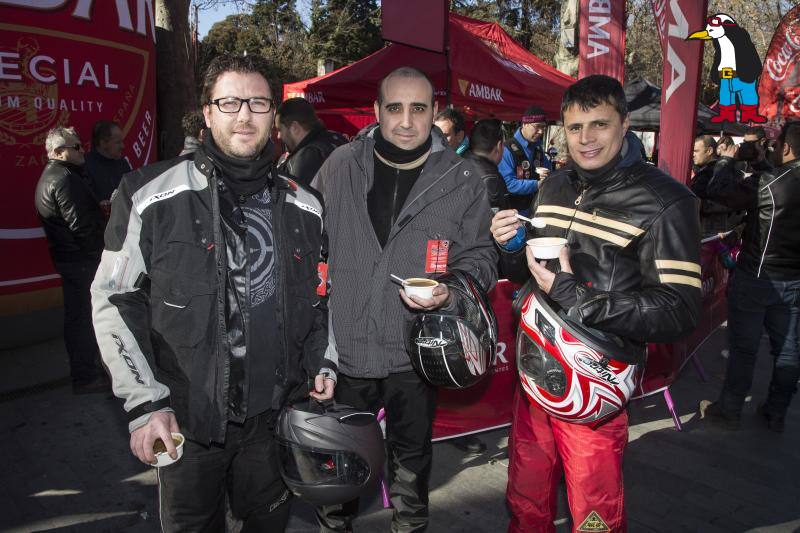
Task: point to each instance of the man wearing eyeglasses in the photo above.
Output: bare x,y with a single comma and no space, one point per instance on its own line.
73,224
208,311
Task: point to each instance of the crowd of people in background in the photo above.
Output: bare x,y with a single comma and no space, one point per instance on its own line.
209,265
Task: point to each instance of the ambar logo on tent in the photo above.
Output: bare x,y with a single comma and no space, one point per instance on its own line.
478,90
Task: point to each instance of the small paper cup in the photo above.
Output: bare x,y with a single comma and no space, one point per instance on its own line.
547,247
542,171
163,458
419,287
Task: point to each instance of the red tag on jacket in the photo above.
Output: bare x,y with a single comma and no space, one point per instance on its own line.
322,274
436,257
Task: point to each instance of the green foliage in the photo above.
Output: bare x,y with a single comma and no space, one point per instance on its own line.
272,30
344,30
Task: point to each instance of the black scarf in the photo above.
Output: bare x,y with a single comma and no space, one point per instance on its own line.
245,177
395,154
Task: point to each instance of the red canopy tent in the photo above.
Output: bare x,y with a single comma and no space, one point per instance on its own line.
486,73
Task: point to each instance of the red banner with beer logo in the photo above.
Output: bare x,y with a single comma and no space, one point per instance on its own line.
601,48
779,88
681,85
64,62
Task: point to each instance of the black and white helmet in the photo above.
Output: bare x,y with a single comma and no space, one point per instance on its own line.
329,453
455,348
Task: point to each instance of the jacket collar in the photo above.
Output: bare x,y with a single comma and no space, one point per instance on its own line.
310,137
67,165
204,165
529,146
791,164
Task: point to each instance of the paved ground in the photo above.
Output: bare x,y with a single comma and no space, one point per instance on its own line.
66,464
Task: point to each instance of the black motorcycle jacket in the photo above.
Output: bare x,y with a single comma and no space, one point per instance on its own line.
714,217
634,241
490,175
771,241
70,213
165,295
303,163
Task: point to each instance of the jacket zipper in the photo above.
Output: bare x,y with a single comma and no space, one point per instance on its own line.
219,251
278,220
578,201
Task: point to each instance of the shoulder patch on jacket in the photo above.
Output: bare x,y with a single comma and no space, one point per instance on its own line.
303,198
179,178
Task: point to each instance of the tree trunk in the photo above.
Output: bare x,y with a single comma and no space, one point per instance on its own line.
175,80
567,55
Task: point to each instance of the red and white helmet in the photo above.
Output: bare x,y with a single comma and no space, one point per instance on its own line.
573,372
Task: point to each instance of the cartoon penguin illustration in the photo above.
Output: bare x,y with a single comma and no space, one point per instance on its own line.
736,68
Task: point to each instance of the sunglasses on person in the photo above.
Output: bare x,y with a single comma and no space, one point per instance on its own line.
78,147
231,104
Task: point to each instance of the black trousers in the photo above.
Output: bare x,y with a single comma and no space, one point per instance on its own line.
409,404
193,491
84,355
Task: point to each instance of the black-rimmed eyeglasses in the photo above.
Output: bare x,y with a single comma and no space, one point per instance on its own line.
232,104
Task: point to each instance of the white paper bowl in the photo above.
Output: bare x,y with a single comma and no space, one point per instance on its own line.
419,292
163,458
546,247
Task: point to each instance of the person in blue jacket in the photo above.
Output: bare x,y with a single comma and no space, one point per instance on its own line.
522,155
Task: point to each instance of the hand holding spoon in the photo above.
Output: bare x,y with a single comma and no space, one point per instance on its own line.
535,222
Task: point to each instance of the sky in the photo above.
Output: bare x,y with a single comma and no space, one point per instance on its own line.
208,17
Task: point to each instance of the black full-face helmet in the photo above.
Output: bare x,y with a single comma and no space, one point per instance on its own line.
329,453
455,348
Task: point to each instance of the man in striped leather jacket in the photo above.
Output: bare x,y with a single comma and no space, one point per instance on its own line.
631,268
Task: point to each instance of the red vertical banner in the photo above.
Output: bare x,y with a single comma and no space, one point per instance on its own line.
602,38
64,63
660,14
681,85
779,87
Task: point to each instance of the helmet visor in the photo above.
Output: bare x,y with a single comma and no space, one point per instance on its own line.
540,366
308,466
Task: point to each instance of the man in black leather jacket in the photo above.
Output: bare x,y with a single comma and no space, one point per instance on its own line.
308,142
631,268
486,151
765,289
714,217
73,224
208,310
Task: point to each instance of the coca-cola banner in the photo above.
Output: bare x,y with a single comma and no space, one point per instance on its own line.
601,48
681,85
779,88
68,62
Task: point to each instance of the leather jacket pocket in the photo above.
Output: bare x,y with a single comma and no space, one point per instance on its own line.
182,307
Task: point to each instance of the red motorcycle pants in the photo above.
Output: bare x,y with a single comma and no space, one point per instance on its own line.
539,446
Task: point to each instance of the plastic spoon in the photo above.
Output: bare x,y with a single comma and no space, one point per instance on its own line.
398,278
535,222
